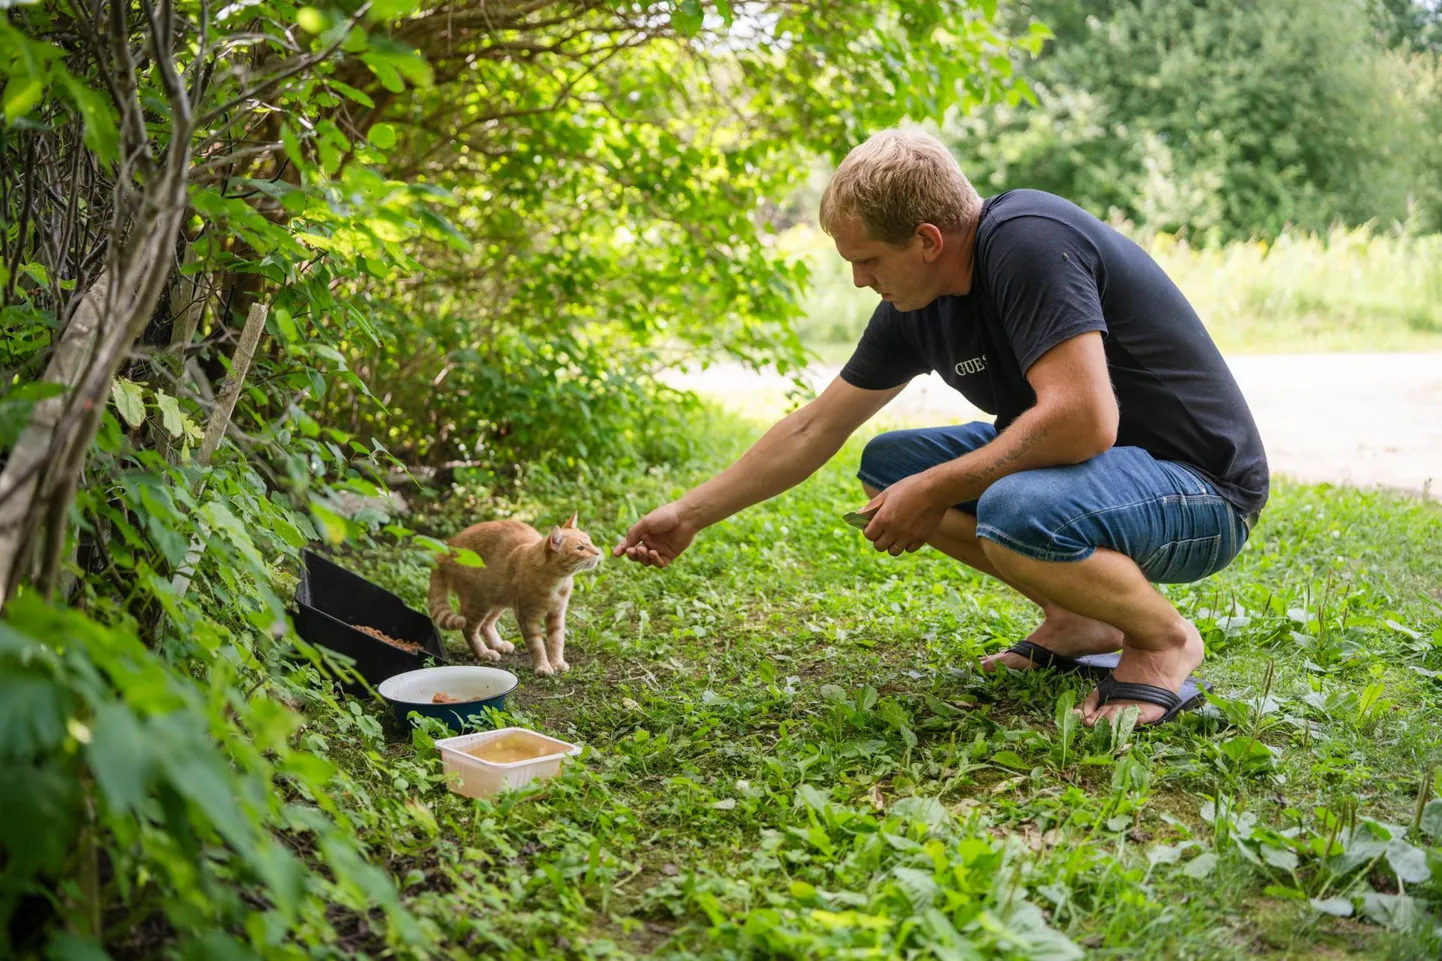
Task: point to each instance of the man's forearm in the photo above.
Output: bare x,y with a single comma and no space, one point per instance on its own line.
1038,438
787,454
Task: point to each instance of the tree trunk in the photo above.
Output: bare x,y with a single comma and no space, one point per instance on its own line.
40,476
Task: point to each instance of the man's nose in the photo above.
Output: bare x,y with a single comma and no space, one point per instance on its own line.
860,277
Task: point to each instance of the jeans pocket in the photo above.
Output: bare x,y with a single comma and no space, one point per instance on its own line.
1180,562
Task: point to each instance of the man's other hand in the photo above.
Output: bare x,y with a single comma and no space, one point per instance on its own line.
658,538
906,515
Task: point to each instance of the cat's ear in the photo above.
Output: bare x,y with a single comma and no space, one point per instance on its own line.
572,522
553,543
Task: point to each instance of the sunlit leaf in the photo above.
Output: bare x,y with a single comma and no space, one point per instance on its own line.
128,401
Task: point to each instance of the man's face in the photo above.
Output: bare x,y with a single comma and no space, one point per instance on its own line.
902,275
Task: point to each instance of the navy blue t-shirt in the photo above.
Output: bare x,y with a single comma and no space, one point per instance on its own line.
1046,271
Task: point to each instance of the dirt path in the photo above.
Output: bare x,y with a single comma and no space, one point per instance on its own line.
1361,419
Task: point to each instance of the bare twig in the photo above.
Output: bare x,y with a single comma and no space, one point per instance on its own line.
230,390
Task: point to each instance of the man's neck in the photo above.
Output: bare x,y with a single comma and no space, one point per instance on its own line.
961,246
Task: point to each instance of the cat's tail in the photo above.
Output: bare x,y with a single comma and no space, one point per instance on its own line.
439,604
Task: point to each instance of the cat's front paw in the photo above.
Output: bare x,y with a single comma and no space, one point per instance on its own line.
545,670
559,665
489,655
505,647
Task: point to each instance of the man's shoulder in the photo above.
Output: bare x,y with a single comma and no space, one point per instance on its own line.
1013,205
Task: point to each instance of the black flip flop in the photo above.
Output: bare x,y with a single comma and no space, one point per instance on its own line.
1191,695
1090,665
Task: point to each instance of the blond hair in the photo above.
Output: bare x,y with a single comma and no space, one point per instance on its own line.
895,182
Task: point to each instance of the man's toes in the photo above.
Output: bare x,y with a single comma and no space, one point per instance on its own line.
1147,713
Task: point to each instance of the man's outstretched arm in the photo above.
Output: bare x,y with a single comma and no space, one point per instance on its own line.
791,451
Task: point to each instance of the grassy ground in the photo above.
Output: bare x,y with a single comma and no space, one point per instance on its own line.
791,753
1351,290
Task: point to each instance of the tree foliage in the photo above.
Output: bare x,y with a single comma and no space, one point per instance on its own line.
472,230
1223,119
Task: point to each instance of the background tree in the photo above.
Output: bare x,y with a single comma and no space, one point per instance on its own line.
1221,119
462,230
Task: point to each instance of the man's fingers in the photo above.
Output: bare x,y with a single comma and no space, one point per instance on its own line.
915,546
627,543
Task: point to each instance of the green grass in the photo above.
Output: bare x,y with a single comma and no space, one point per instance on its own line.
791,753
1351,290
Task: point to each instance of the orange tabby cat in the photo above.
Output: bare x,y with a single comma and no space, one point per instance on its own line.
526,573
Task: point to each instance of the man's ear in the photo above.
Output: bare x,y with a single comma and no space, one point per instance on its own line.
932,241
553,543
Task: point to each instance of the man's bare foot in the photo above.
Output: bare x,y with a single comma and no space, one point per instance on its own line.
1064,633
1166,668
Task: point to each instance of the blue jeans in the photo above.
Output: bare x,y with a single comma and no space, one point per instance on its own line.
1162,515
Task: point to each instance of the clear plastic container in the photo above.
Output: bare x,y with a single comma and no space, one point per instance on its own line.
477,777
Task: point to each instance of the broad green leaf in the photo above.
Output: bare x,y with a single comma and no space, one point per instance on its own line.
121,756
687,17
17,406
333,527
431,544
22,93
1010,759
1432,819
927,810
1163,854
170,415
382,135
351,93
1409,863
1251,755
37,273
33,710
1279,857
1201,866
291,143
312,20
1335,906
391,9
812,797
919,886
128,401
466,558
96,114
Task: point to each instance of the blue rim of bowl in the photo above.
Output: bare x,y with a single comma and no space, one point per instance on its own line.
516,682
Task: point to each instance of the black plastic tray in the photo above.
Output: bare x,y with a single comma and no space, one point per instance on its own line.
331,599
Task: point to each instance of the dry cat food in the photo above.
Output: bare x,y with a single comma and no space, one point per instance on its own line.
441,697
511,747
407,646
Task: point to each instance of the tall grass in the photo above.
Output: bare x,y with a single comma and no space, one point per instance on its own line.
1348,290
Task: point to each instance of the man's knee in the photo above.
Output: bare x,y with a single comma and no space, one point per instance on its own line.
881,458
1024,513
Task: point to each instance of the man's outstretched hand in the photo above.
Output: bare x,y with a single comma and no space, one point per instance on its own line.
658,538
